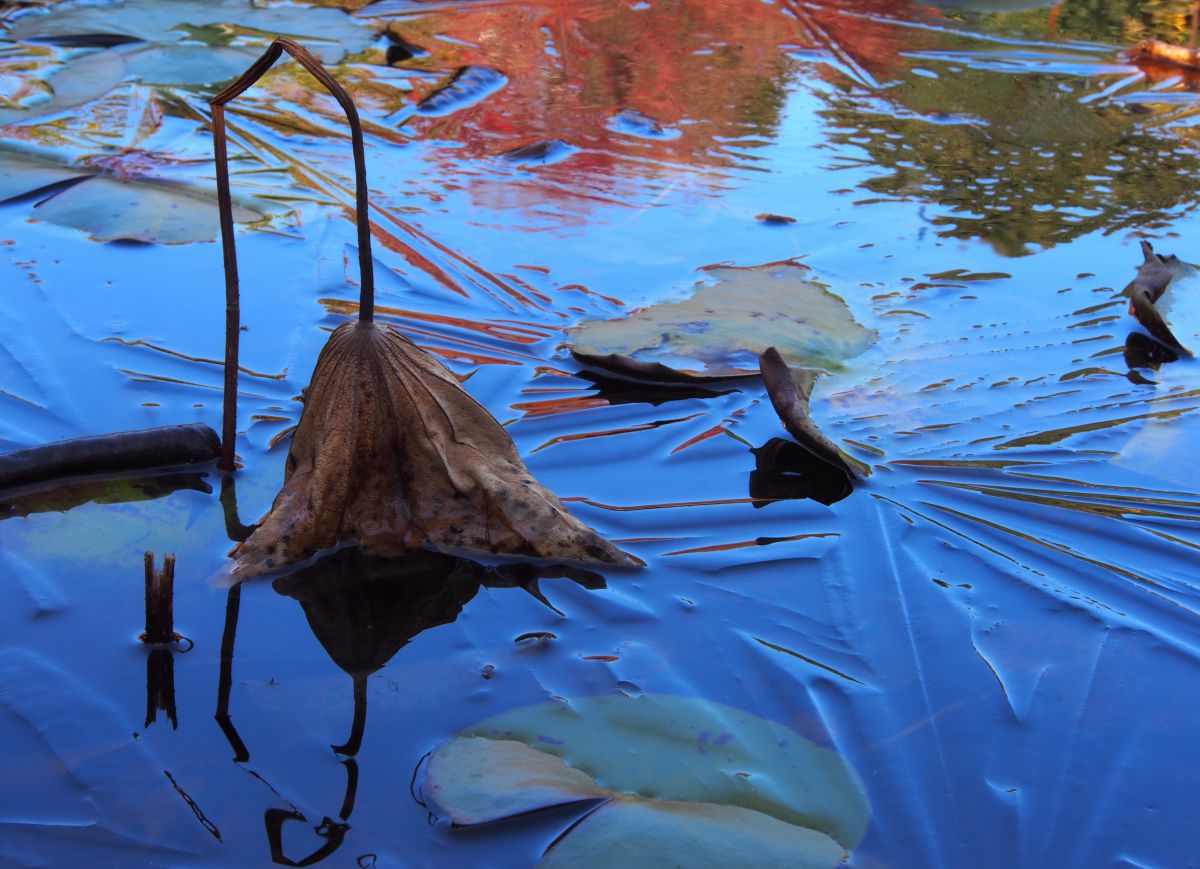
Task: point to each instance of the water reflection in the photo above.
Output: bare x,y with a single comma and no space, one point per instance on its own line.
1142,351
784,470
362,609
1021,161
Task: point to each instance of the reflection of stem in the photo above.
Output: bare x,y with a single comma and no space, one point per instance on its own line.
333,832
366,308
225,681
233,524
160,686
351,766
360,718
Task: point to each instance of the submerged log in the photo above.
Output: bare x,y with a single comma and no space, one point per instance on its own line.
110,454
1153,276
391,453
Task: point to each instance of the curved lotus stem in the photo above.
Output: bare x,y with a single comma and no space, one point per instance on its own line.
366,305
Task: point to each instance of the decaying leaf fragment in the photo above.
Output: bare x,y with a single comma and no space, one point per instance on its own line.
1153,276
393,454
792,407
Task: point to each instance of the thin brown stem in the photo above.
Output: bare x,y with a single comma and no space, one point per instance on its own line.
366,305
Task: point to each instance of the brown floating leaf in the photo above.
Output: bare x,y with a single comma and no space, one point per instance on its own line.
793,411
391,453
1153,276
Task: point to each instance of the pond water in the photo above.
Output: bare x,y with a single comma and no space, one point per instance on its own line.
997,631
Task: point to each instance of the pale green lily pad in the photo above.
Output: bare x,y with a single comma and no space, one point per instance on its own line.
668,753
479,780
636,832
80,80
170,64
149,211
21,174
684,748
329,33
730,320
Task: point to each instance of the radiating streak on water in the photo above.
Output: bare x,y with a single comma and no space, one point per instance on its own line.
807,660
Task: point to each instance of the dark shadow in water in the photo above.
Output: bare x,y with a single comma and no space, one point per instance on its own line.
1142,351
616,390
784,470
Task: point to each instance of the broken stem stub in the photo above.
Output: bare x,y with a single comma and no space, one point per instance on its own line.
366,306
160,601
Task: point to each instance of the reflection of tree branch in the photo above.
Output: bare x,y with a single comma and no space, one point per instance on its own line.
333,832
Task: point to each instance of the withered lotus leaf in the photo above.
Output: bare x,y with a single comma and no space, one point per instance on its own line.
392,454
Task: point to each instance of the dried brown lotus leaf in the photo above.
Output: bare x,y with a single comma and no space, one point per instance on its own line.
394,455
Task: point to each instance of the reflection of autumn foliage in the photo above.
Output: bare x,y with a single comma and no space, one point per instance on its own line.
711,71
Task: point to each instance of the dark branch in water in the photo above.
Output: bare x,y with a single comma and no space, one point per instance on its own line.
110,453
1153,276
366,305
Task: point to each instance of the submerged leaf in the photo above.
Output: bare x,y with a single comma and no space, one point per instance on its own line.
636,832
479,780
154,212
393,454
727,324
690,750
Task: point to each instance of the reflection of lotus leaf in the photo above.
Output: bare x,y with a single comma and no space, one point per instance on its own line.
727,324
683,779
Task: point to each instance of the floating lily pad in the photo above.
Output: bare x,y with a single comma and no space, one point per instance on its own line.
683,778
168,64
80,80
726,324
149,211
21,174
634,832
328,33
112,208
